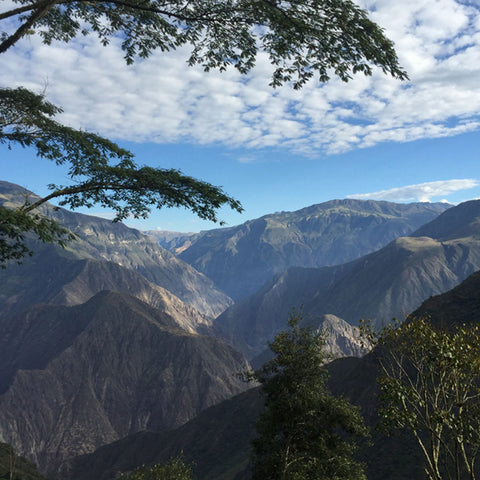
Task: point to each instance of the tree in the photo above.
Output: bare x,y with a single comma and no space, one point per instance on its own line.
101,173
175,469
302,38
430,384
304,432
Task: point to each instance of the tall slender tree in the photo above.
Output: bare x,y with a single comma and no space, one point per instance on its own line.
304,432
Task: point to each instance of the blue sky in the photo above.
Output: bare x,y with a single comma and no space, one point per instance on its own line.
277,149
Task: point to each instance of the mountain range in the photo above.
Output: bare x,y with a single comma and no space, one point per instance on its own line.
92,349
241,259
115,339
388,283
74,378
100,239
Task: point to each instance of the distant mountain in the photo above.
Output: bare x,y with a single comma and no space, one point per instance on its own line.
218,440
75,378
101,239
50,278
385,284
241,259
175,242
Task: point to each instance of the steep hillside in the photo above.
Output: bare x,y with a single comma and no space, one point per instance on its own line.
385,284
50,278
100,239
175,242
218,442
240,259
75,378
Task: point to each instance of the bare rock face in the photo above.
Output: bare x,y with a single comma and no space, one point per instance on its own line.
341,340
52,279
75,378
241,259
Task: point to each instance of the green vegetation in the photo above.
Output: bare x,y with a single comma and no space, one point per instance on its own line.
304,432
430,382
302,38
175,469
14,467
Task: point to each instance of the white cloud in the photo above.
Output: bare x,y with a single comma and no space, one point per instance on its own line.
422,192
161,99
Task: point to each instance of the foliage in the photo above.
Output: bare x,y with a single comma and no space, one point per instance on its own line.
301,37
14,224
303,432
175,469
15,467
101,173
430,386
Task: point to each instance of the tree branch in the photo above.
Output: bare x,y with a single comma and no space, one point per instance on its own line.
43,8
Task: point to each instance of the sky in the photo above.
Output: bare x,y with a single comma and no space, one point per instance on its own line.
275,149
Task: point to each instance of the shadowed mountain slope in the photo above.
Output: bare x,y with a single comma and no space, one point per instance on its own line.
217,441
202,439
75,378
385,284
100,239
240,259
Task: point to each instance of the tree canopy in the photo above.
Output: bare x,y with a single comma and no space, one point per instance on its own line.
101,172
304,432
302,39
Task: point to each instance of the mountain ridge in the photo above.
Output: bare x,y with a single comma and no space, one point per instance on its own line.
240,259
100,239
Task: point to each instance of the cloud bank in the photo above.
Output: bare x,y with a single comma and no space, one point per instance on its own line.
161,99
422,192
